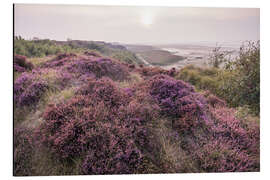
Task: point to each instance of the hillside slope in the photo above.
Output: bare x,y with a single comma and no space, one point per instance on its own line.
89,114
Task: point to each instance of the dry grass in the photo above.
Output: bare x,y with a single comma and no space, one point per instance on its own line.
36,61
134,78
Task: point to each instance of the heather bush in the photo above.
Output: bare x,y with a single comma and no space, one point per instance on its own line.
231,129
100,67
23,152
139,117
20,84
192,113
206,119
102,125
20,64
218,156
33,93
18,68
186,109
59,60
28,90
167,92
220,143
112,154
104,90
62,130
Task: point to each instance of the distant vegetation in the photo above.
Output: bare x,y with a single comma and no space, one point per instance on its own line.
87,112
42,48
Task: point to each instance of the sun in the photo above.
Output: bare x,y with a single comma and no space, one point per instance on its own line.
147,20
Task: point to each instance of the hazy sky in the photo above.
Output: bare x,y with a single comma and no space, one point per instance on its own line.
137,24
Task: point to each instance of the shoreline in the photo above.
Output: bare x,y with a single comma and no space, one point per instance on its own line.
198,58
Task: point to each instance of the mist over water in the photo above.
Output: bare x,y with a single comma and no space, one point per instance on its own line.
198,53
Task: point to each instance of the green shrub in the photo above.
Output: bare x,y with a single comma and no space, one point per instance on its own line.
40,48
238,83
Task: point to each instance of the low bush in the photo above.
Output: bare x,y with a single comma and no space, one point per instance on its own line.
28,90
59,60
20,64
218,156
238,83
104,90
167,92
202,120
101,125
111,154
192,113
23,152
99,67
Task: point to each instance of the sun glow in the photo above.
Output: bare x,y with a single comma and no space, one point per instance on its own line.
147,19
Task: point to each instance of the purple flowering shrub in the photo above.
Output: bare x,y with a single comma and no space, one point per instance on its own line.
106,129
203,122
30,87
33,93
219,156
138,116
64,130
100,67
103,90
23,151
167,92
192,111
28,90
20,64
112,152
59,60
102,125
90,65
20,84
232,130
18,68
